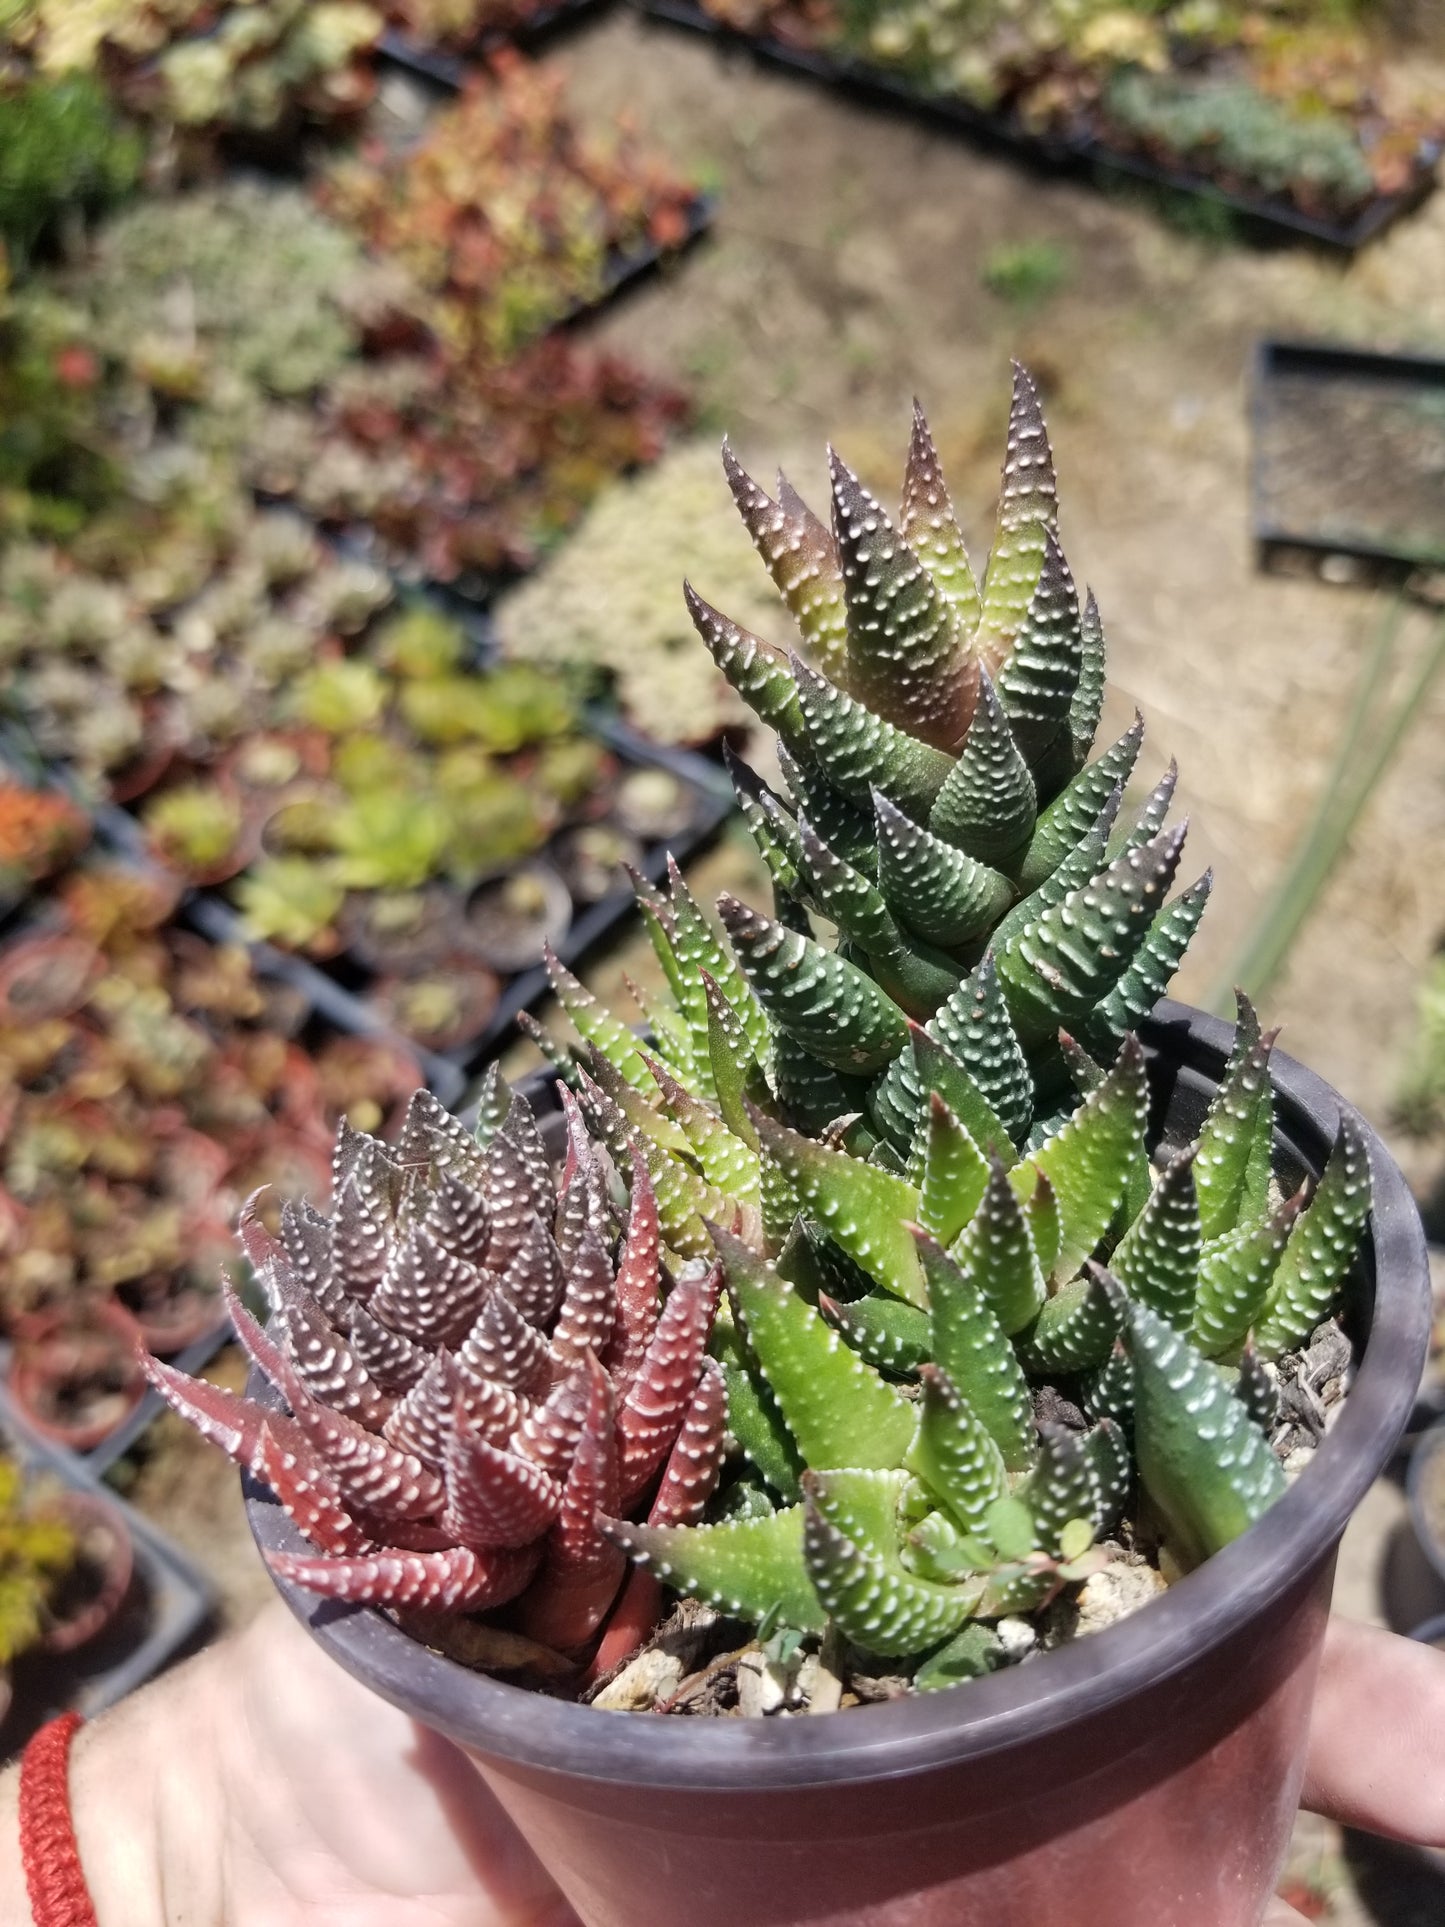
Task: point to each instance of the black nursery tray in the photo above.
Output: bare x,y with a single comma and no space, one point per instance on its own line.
1349,456
166,1613
450,70
1077,148
338,987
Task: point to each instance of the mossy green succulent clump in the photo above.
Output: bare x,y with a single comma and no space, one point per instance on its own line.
970,1304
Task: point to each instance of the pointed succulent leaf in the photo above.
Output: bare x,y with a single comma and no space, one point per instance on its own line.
650,1414
1088,703
774,832
1076,1328
725,1160
1150,817
837,1408
971,1346
690,1476
1109,1392
1060,967
307,1493
931,530
1079,867
1157,1260
1113,1467
862,1208
988,805
859,752
887,1332
1075,811
809,1092
852,1549
1228,1133
1085,1072
756,669
1037,685
1088,1161
753,1415
495,1497
1153,965
601,1080
996,1250
752,1566
597,1026
824,1002
801,558
944,896
457,1580
1257,1389
906,660
1027,513
841,824
1046,1227
1204,1463
971,1654
954,1453
953,1176
940,1073
699,948
1235,1274
1321,1246
494,1101
1063,1487
911,972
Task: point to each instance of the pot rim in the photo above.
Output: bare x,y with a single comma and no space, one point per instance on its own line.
1017,1705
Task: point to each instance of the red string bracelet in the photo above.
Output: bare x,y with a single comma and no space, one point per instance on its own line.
54,1878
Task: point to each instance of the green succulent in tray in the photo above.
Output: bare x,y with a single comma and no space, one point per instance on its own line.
920,1150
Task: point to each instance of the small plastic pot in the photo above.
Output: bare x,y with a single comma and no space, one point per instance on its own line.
1147,1776
75,1374
90,1596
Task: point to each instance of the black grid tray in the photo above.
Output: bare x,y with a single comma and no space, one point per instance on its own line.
169,1608
1075,149
450,70
1308,377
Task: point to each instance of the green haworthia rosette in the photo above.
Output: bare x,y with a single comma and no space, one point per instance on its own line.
928,525
1203,1462
905,660
801,558
852,1549
1320,1246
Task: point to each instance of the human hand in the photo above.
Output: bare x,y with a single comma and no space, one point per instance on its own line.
261,1786
1377,1741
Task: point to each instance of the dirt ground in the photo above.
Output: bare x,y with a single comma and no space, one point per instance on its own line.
845,275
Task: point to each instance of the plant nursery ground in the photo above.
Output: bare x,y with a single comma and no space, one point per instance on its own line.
858,260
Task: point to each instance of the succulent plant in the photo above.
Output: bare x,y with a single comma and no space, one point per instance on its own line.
478,1358
921,1241
196,826
506,212
39,831
37,1548
62,151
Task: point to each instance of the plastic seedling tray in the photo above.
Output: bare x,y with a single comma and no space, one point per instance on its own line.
168,1609
1349,456
1076,148
450,70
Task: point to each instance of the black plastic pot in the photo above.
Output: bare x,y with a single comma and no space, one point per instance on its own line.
1145,1777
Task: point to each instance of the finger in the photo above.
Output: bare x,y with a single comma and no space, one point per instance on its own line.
1377,1735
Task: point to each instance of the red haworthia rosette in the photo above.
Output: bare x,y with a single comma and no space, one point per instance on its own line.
442,1356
